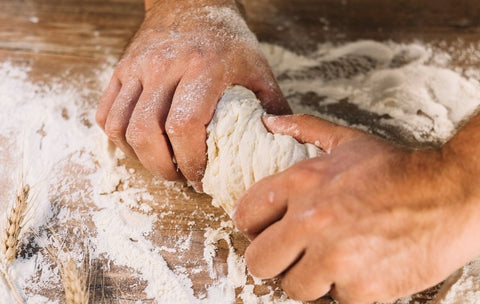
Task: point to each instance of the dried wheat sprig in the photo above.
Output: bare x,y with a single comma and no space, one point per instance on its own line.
74,282
74,279
11,237
13,228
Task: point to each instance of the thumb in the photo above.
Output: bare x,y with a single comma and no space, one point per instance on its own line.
310,129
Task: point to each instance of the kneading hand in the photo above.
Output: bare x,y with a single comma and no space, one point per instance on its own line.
165,88
367,221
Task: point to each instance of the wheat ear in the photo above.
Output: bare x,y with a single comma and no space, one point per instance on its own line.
74,283
73,278
14,225
11,237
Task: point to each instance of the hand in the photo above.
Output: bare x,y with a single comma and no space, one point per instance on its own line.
367,221
164,90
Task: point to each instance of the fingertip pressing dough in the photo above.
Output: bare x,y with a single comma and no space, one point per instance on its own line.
241,151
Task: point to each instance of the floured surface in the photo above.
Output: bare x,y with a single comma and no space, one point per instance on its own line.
144,239
409,93
151,241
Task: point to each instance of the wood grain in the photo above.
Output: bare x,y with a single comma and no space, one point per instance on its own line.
69,38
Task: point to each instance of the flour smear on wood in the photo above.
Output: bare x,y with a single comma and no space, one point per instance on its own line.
411,93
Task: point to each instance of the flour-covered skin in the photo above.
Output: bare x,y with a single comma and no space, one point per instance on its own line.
368,221
165,88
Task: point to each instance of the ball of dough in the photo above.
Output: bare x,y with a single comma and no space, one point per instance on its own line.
241,151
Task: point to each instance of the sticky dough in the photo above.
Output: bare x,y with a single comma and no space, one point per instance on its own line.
241,151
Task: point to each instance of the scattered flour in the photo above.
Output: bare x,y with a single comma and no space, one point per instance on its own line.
411,94
463,287
48,133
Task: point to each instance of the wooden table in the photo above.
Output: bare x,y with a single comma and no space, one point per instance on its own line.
72,37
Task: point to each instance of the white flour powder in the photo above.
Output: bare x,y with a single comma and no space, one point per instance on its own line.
414,95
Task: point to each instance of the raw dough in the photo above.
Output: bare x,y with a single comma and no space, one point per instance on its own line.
241,151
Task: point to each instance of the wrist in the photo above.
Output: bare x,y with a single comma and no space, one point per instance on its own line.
184,12
217,21
185,4
463,151
443,189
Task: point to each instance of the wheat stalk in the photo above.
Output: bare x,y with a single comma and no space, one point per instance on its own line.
74,279
11,237
74,282
14,225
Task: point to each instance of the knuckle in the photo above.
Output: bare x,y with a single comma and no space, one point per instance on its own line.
136,135
293,289
173,127
170,175
114,131
180,123
101,118
119,71
252,262
303,176
240,219
317,218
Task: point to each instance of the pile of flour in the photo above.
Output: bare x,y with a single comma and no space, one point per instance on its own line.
411,91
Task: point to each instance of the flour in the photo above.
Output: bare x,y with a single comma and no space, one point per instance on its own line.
104,211
241,151
48,144
414,96
463,287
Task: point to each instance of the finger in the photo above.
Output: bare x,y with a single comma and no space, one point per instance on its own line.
271,97
263,204
310,129
192,109
107,100
120,113
307,280
345,296
146,132
274,250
